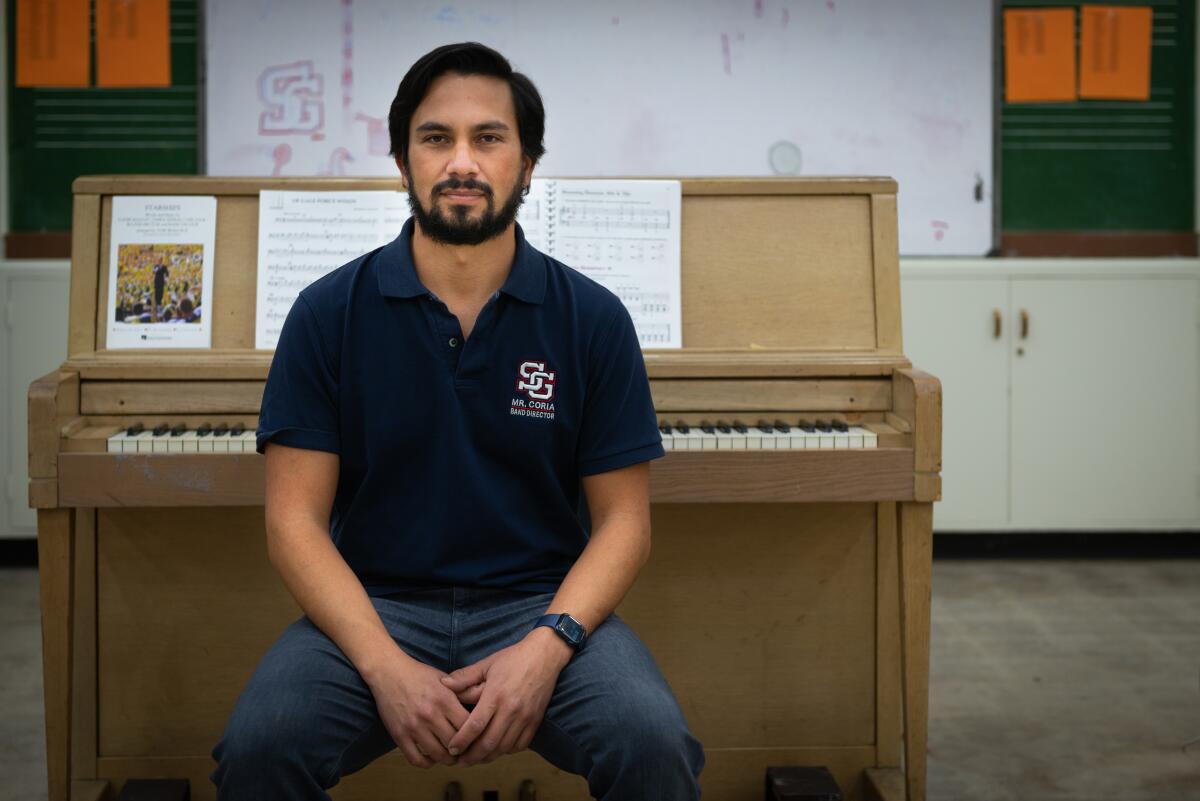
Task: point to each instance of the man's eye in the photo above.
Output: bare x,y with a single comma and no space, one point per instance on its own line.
489,139
435,139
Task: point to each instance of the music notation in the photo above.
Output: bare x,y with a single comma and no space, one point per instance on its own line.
624,235
304,235
614,216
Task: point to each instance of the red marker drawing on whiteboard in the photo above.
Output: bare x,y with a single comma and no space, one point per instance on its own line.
939,229
282,155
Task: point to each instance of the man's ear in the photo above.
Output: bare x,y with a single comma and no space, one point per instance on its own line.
527,169
403,175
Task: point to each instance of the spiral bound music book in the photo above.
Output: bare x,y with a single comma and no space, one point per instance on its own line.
625,235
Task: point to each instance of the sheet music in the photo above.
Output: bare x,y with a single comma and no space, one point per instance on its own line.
304,235
624,235
161,271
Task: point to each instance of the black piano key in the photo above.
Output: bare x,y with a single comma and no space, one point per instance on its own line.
665,428
823,426
840,425
764,426
723,427
237,430
740,427
682,427
221,430
203,430
807,427
782,427
135,429
178,430
707,427
161,429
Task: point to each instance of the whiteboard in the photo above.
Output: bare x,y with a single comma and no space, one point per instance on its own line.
638,88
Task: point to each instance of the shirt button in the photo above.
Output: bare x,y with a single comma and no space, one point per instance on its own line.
453,342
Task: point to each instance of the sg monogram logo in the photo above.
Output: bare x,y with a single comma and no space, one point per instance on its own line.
535,381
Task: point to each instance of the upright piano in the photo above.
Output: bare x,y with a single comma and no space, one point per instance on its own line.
787,598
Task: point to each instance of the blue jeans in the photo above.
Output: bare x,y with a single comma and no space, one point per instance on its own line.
307,718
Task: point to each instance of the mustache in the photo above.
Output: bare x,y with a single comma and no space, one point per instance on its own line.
469,184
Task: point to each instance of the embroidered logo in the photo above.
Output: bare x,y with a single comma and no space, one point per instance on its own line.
537,383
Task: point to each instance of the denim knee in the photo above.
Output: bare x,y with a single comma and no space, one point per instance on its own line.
268,752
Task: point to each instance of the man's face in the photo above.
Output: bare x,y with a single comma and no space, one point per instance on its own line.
465,169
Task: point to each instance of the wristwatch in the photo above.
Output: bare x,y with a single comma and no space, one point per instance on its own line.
567,627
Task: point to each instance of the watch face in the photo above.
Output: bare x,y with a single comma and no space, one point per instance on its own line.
571,629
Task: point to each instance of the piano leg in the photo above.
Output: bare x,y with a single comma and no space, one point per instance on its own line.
56,577
915,532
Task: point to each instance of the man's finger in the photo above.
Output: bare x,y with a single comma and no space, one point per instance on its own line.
472,728
427,743
471,694
487,746
508,743
414,757
526,738
444,731
466,677
456,713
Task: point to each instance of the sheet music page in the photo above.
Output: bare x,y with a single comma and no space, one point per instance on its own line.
533,215
624,235
304,235
160,271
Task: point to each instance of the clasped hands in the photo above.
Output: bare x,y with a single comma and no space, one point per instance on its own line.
424,710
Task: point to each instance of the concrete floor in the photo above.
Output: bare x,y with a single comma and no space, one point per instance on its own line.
1050,680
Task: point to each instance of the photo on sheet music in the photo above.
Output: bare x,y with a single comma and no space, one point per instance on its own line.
160,272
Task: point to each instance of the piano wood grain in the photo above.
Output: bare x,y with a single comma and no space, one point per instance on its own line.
236,479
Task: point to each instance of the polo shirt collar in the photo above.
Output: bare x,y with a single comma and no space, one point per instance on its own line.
398,275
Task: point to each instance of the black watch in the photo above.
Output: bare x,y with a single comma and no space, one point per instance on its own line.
571,630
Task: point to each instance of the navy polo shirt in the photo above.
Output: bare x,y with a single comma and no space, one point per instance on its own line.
460,461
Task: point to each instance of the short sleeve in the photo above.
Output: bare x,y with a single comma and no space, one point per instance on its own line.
619,427
299,405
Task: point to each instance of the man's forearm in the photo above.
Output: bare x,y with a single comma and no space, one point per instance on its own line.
604,571
330,594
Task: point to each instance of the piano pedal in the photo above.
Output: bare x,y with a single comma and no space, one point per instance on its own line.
794,783
155,790
528,791
453,792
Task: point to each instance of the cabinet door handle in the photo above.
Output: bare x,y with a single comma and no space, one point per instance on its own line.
1024,323
996,318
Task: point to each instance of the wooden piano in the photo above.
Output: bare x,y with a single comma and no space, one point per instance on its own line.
787,597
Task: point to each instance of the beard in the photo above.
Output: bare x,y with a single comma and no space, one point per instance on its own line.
457,227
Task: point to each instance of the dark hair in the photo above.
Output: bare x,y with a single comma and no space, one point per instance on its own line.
467,58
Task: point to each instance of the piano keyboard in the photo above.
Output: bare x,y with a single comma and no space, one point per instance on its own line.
163,438
764,435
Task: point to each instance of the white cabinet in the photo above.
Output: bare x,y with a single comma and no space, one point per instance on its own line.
33,341
1079,409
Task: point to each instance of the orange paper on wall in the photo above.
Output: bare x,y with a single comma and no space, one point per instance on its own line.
52,43
1039,55
133,46
1114,52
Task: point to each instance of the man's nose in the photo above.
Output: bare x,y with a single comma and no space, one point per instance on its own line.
462,160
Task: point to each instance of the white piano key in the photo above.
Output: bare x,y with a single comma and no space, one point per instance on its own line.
856,437
175,442
144,442
204,444
668,440
220,442
161,443
249,441
116,443
187,442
